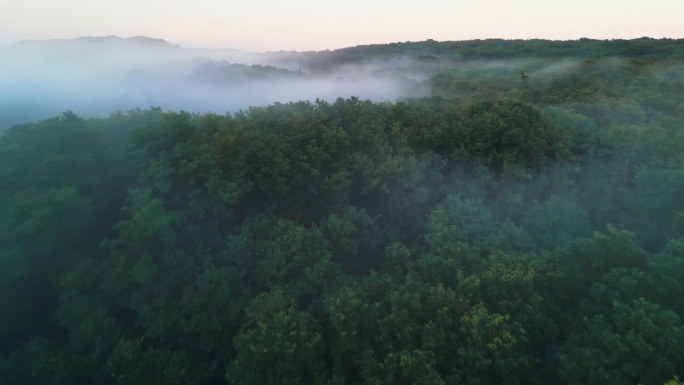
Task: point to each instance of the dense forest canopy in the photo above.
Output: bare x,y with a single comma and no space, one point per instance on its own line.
516,217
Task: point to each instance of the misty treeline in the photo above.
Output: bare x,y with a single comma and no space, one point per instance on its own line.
97,75
523,225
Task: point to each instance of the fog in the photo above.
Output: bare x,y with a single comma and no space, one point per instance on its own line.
97,76
94,77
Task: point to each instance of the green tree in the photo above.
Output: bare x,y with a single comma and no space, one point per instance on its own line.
277,344
637,343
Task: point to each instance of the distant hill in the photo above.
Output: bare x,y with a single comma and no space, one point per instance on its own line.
135,41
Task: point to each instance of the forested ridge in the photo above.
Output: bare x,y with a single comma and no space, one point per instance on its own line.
524,224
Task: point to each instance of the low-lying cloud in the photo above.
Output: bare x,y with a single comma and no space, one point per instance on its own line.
97,76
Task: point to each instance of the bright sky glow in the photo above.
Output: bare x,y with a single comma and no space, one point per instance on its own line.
259,25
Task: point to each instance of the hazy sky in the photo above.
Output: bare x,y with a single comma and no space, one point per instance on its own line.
259,25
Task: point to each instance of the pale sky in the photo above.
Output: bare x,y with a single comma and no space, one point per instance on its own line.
260,25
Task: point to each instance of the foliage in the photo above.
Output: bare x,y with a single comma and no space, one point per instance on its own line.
517,227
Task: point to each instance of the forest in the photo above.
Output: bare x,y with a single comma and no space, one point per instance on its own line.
520,220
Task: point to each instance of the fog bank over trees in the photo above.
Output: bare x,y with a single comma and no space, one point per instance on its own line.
95,76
